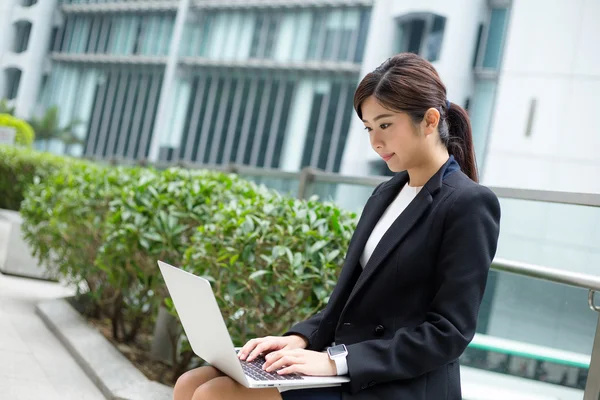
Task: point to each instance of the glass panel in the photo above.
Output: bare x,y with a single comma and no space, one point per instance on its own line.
477,45
22,31
365,20
480,113
13,77
414,31
312,128
348,196
282,185
433,45
493,46
538,333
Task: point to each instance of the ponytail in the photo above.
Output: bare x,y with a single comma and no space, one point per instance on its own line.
460,140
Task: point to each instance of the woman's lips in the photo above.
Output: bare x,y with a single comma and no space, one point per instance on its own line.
386,157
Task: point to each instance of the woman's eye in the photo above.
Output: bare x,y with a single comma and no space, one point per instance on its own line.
384,126
367,129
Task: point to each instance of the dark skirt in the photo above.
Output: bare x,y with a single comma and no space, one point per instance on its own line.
330,393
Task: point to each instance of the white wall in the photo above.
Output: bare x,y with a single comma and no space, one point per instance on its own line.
30,62
556,60
454,65
6,33
552,55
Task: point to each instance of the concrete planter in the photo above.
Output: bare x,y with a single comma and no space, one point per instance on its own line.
166,330
111,371
15,255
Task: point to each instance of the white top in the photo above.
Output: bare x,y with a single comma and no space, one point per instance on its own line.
402,200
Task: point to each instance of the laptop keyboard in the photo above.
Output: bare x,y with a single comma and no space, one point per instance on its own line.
254,370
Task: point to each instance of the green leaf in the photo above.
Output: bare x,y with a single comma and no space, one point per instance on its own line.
153,236
317,246
255,275
332,255
270,301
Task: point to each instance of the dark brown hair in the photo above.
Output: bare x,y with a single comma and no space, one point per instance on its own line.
408,83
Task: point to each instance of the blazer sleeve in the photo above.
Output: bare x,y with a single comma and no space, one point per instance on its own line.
308,329
467,248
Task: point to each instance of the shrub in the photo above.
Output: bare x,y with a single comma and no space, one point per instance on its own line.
24,132
272,259
18,169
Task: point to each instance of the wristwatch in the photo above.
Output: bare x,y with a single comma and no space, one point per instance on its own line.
338,354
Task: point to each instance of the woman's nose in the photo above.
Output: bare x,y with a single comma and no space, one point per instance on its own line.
376,141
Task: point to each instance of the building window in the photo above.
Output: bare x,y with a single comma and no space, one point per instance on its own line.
495,36
490,45
23,29
12,78
263,38
421,34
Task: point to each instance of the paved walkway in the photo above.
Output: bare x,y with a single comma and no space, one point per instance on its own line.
33,363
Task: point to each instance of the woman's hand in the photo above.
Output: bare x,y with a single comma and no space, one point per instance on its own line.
306,362
256,347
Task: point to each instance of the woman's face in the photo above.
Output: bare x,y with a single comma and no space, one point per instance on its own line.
393,135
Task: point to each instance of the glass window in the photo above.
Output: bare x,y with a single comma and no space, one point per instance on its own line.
480,114
421,34
477,44
495,36
53,38
22,31
263,36
433,45
365,19
13,80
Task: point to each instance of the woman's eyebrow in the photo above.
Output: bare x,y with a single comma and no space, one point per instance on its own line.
379,117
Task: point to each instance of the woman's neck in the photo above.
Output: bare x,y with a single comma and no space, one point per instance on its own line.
418,176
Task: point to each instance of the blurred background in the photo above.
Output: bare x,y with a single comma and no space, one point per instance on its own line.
268,85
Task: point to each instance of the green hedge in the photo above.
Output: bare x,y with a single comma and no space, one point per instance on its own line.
24,134
272,259
19,168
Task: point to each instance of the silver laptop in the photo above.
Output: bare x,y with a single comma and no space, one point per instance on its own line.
206,331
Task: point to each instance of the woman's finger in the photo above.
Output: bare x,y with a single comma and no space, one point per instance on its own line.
273,357
261,348
284,361
276,355
292,369
248,347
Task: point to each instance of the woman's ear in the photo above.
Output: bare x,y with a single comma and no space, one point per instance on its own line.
430,122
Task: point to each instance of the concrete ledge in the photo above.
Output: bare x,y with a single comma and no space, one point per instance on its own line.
111,371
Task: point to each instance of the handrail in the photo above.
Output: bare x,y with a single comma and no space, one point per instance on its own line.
575,279
548,196
318,176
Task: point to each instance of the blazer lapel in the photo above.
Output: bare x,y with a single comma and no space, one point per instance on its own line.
401,226
372,211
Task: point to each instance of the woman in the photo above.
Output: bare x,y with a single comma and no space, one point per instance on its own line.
407,299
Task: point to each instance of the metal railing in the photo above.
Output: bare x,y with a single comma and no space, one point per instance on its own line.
585,281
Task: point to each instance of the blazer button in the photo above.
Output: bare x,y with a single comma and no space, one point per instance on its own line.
379,329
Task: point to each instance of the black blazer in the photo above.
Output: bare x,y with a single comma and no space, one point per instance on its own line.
409,315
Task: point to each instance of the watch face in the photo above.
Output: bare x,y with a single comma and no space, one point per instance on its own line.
336,350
